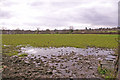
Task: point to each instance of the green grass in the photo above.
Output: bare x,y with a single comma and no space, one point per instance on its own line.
109,31
10,50
60,40
23,55
11,54
112,31
105,73
102,71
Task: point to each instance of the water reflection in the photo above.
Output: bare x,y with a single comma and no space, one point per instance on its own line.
66,50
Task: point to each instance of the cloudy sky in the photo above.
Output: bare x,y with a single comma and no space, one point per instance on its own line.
58,14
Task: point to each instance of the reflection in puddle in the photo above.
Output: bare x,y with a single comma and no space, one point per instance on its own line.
66,50
61,51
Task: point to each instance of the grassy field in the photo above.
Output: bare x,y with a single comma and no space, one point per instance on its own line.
59,40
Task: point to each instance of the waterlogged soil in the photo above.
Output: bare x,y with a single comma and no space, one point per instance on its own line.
66,63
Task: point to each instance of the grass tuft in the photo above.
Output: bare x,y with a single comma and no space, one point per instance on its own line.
23,55
11,54
105,73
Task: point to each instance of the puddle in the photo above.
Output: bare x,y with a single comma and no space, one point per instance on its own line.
67,50
70,54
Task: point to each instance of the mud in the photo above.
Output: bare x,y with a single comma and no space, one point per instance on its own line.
68,65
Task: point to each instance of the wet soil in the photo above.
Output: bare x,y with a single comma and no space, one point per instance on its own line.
70,65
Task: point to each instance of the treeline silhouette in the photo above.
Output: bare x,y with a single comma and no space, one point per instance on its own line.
65,31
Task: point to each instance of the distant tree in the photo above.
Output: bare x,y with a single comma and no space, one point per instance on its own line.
17,31
47,30
71,29
90,29
77,29
118,27
86,28
37,31
100,28
55,30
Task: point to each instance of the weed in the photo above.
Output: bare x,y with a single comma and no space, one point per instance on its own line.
106,73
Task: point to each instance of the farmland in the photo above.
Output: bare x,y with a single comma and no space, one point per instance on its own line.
61,40
58,55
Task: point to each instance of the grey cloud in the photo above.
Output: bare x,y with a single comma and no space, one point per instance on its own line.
86,16
48,22
96,18
5,15
8,3
65,4
36,4
93,17
62,13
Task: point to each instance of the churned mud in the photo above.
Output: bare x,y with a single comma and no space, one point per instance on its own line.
56,63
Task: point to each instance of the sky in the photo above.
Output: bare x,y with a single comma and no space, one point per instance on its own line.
58,14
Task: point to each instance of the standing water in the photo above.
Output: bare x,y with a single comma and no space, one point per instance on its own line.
68,50
70,61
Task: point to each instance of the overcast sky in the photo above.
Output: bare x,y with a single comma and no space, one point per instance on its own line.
58,14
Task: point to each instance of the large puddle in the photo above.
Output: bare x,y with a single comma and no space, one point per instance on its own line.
52,51
70,61
65,62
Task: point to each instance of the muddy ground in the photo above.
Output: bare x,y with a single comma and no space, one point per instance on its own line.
83,67
57,66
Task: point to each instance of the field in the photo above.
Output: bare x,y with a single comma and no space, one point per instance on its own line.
60,40
58,62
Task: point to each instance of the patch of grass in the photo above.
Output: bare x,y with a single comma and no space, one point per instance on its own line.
109,31
10,50
11,54
23,55
113,31
105,73
61,40
102,71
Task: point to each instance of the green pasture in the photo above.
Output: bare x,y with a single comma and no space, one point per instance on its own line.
60,40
